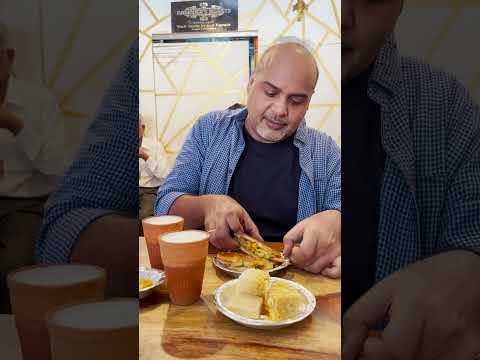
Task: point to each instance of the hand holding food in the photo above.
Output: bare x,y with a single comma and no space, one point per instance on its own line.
224,216
319,243
255,255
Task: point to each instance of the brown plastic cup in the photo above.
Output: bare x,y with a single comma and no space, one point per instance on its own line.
35,290
95,330
184,254
153,227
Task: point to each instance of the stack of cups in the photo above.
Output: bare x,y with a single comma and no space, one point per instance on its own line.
95,331
36,290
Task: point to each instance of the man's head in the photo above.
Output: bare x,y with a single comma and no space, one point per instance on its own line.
279,91
7,54
365,25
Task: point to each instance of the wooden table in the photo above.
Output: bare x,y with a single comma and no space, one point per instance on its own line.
199,331
9,342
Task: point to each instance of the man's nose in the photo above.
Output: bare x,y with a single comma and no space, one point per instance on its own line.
281,107
348,17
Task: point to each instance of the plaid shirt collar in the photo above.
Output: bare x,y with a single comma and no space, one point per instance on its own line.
387,70
385,88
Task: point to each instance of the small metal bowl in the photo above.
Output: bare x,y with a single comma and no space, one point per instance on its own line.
156,276
219,300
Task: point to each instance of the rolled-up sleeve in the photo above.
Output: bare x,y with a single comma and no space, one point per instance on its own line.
333,194
104,177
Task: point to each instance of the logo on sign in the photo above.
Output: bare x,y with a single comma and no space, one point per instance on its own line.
203,12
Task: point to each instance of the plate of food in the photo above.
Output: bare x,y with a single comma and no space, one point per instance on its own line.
253,254
148,279
259,301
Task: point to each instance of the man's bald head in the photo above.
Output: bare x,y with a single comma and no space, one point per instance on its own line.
295,51
279,92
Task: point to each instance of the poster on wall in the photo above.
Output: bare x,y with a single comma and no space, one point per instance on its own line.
204,16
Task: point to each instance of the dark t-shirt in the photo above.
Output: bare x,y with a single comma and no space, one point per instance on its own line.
265,183
363,160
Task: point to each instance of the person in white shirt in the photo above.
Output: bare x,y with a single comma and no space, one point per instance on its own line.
153,166
31,161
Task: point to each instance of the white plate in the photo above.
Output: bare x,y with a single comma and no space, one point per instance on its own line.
264,323
236,273
156,276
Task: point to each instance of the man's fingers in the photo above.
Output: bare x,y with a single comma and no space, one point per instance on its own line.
403,334
250,227
234,223
292,237
222,236
306,253
335,270
364,315
375,349
318,265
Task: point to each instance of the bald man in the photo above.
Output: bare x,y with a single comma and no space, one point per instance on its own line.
261,170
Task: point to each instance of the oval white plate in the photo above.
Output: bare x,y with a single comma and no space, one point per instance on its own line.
263,323
156,276
237,273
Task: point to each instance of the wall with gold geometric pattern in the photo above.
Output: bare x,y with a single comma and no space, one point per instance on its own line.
318,24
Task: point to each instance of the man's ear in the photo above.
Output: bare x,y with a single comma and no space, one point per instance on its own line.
250,82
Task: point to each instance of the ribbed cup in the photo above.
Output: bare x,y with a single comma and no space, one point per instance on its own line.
183,255
153,227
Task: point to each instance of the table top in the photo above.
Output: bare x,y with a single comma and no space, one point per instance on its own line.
199,331
9,342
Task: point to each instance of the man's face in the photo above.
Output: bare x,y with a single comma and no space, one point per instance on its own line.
365,23
278,97
6,61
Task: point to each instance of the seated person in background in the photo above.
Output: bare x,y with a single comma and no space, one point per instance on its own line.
153,168
93,217
261,170
31,160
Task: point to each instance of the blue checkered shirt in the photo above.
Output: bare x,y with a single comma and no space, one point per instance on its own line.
211,152
430,196
104,177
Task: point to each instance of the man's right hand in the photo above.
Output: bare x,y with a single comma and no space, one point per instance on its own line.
223,217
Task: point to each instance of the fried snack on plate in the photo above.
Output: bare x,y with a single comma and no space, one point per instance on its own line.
283,302
247,298
257,248
253,282
239,261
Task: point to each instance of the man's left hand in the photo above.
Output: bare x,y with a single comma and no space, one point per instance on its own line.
432,308
319,237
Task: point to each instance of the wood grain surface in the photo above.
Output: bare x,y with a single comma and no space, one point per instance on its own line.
199,331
